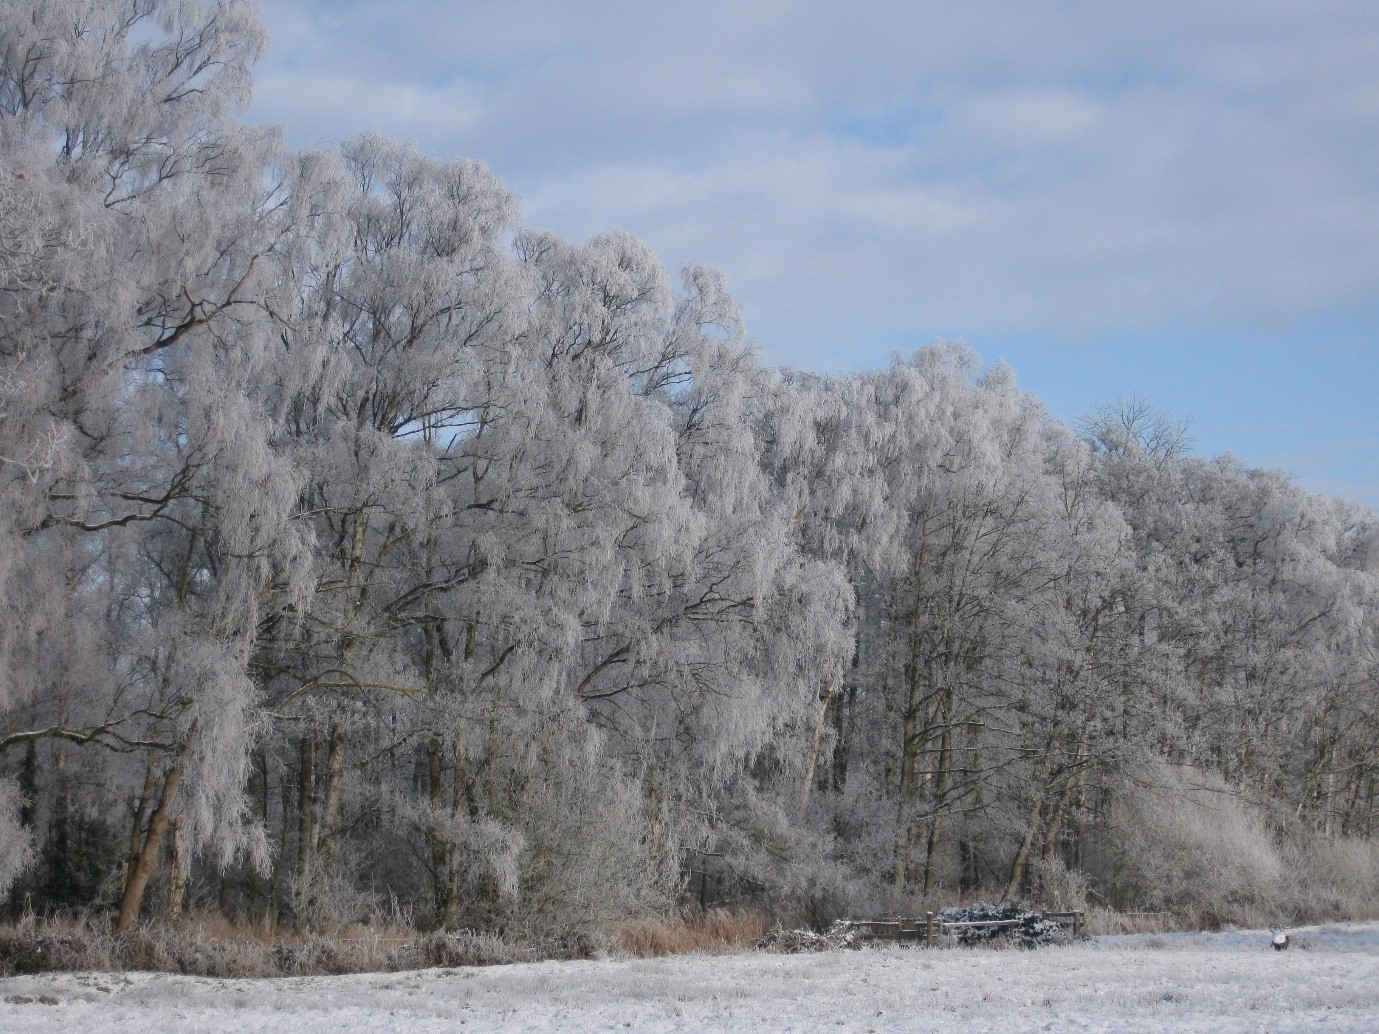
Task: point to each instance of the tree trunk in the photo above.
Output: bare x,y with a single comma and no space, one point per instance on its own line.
306,810
1036,818
1060,805
825,698
842,723
273,917
1017,867
144,852
441,861
177,884
306,824
915,737
905,825
329,827
940,793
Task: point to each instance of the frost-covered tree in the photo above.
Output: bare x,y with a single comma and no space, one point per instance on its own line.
361,547
145,503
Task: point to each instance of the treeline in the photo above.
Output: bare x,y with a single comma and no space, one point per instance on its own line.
365,552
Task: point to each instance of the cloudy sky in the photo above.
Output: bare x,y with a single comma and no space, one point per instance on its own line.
1173,199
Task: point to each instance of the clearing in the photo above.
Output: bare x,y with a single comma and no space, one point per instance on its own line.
1329,980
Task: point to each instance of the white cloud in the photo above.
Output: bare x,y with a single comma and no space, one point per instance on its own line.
336,105
1032,117
886,172
976,168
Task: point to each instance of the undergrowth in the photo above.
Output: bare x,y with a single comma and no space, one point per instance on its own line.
214,947
716,932
219,949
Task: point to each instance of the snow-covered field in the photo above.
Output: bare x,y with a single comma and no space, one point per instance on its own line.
1181,982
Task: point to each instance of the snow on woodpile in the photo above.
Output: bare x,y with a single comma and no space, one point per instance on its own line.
1034,929
840,936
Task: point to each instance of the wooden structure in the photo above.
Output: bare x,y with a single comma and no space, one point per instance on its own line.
929,928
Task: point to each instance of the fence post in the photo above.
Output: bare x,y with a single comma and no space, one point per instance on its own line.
1077,924
929,929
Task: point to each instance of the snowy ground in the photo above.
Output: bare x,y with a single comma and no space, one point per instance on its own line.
1180,982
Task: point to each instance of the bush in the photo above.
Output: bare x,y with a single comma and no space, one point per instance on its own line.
1057,887
1332,879
1185,842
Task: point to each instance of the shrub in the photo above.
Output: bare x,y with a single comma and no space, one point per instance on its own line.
1186,843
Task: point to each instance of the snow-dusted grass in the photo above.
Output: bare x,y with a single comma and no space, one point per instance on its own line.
1178,982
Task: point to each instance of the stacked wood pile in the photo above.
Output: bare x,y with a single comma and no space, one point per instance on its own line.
977,923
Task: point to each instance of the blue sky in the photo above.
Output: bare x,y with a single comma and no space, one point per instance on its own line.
1179,200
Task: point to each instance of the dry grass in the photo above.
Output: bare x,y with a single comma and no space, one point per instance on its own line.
1099,921
214,947
209,946
716,932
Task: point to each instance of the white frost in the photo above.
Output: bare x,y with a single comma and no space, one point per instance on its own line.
1196,982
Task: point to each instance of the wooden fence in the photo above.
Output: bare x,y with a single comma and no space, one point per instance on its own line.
1130,922
929,928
